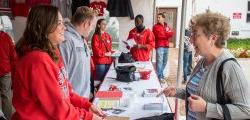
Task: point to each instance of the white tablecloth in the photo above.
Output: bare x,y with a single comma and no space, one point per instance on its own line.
134,97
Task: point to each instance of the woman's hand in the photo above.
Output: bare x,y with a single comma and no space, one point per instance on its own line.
97,111
169,91
197,103
108,54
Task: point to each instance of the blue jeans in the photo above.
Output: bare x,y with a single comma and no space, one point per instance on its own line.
187,64
161,61
101,70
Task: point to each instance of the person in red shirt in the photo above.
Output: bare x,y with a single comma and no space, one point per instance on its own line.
144,38
40,87
102,48
7,59
162,34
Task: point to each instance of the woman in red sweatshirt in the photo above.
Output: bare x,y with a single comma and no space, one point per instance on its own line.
40,87
102,48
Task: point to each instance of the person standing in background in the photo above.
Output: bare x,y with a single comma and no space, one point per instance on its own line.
162,34
144,39
102,48
187,56
7,61
75,51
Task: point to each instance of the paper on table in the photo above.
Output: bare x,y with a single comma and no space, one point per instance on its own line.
131,42
108,104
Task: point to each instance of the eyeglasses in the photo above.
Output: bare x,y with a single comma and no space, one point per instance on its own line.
194,35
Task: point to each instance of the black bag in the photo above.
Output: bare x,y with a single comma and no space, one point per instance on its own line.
221,92
2,118
125,58
125,73
165,116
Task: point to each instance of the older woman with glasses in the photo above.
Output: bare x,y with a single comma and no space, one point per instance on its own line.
204,100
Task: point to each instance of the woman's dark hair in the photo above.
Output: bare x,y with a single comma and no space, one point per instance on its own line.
41,21
97,28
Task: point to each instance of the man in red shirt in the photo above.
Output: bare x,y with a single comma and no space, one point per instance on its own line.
144,38
162,34
7,58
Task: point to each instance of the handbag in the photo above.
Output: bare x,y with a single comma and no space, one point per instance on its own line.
125,58
125,73
221,99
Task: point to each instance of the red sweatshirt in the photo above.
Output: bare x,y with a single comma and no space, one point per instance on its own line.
7,54
100,47
162,34
41,91
146,37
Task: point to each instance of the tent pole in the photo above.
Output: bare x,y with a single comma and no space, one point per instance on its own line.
180,58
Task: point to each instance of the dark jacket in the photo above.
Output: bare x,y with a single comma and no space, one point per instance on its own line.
120,8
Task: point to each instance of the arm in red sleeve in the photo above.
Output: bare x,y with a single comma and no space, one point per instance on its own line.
7,54
110,45
154,30
150,40
77,100
130,36
45,87
95,47
13,56
12,53
169,32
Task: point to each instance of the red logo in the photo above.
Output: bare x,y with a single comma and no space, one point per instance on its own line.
236,15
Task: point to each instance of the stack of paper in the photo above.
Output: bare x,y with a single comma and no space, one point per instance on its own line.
131,42
109,94
108,104
150,93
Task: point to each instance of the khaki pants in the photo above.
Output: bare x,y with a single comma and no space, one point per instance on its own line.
5,91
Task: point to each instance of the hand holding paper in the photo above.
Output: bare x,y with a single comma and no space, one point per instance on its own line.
131,43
